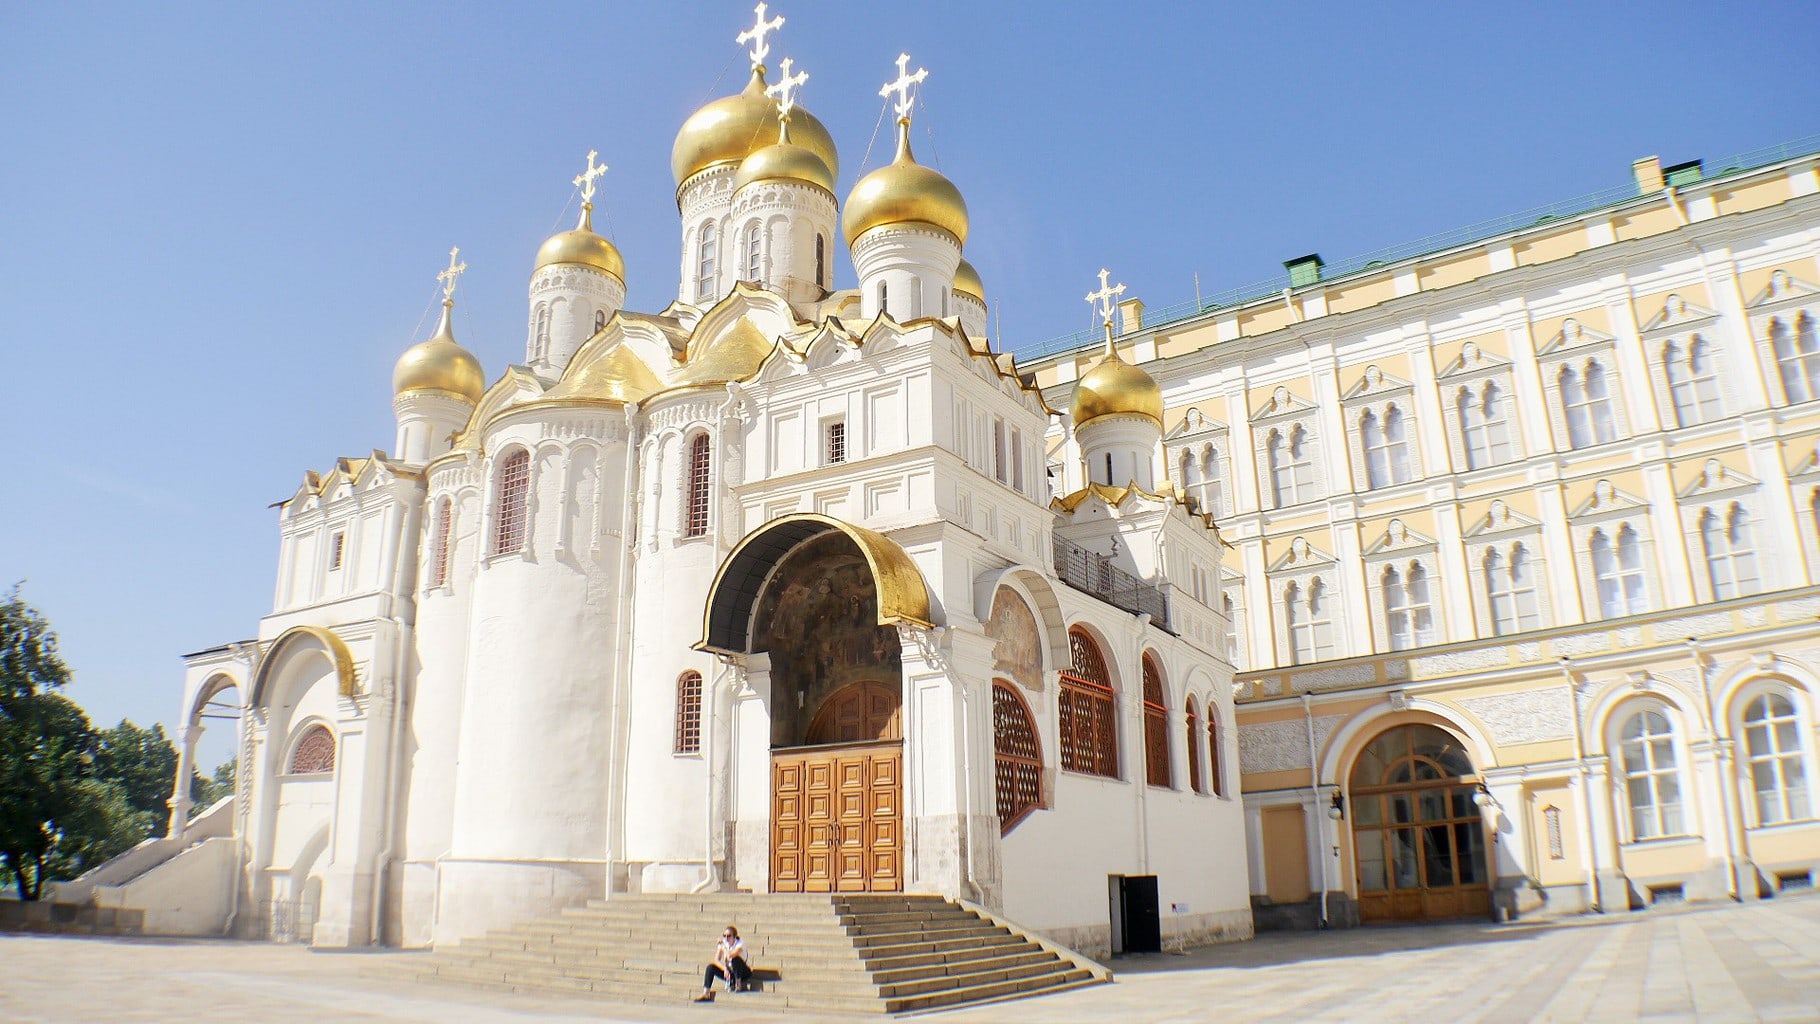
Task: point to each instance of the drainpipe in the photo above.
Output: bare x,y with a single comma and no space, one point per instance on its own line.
1143,780
630,500
1722,763
936,635
710,876
1314,802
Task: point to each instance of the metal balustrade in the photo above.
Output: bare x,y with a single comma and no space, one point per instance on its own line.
1094,574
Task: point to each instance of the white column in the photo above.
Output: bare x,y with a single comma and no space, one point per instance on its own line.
1633,363
1563,574
1676,570
1526,381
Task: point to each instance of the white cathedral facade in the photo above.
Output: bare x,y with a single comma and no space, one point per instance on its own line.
765,591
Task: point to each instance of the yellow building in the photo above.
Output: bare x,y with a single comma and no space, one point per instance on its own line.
1525,538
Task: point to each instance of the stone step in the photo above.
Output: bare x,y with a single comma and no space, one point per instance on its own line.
1079,977
867,1003
969,979
875,955
958,963
890,935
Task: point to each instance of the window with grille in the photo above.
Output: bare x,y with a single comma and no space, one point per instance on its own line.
1510,590
1798,357
1772,745
511,503
1586,401
439,543
1156,728
338,546
1652,784
1017,757
700,466
688,713
836,435
1693,381
704,262
1484,422
1618,573
1194,748
315,752
1089,723
1731,557
1216,758
1557,849
1408,613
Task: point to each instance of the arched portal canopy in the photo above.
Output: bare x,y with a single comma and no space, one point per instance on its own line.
903,596
331,645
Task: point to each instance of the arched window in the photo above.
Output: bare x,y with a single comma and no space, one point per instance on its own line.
688,712
1089,724
1407,612
1731,558
1193,748
511,503
1156,728
705,243
1213,496
540,333
1510,591
1291,466
1386,460
600,319
1798,357
700,468
1309,620
1618,573
314,753
1693,381
884,297
821,261
1216,757
1772,745
1652,785
1586,401
755,251
439,542
1017,757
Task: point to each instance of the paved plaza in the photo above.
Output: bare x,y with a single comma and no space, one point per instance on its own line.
1723,963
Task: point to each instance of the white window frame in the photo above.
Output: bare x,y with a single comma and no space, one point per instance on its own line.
707,262
1588,420
1731,567
1764,750
1692,396
1639,759
754,252
1308,629
1487,587
1619,588
1290,482
1406,617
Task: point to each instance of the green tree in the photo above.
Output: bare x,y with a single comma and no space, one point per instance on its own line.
205,792
45,743
143,763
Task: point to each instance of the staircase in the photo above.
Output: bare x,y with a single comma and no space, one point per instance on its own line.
860,954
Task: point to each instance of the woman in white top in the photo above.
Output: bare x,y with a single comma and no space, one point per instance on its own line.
729,965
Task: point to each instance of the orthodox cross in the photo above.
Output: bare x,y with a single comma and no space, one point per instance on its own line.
1103,299
785,89
587,178
450,276
905,82
757,33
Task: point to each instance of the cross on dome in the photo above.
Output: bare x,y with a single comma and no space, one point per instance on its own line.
1102,300
587,178
903,86
453,274
757,33
786,87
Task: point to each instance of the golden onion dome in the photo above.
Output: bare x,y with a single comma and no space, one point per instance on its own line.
904,192
731,128
1115,388
440,364
784,160
582,247
967,281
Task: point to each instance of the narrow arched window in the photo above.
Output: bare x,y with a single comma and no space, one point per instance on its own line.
314,753
1017,757
755,250
1213,496
540,333
600,320
1731,556
439,542
688,712
705,243
884,296
1510,591
1089,723
700,474
1798,357
1193,748
821,261
1652,782
1772,744
1157,770
1377,451
1216,758
511,503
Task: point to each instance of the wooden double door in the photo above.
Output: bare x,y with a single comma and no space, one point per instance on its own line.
837,818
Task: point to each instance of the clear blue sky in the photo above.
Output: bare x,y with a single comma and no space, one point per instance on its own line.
221,222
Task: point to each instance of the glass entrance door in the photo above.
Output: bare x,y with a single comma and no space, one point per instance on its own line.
1417,832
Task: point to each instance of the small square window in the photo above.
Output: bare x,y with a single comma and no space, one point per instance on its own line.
338,545
835,444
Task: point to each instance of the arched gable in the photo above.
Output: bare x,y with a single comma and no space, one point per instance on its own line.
301,638
1344,746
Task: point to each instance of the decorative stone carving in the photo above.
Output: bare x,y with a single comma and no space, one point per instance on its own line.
1461,661
1336,677
1530,717
1709,624
1282,746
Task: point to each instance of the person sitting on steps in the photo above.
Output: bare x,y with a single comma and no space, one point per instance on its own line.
729,965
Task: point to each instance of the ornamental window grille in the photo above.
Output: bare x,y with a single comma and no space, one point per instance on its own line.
511,503
1557,848
1216,757
1291,466
439,543
1510,591
1017,757
688,712
338,549
1408,610
1485,424
1308,617
695,523
1693,381
1772,743
315,752
705,243
1797,357
1651,780
1618,573
1088,722
1731,556
755,251
1586,401
1194,748
1157,769
1386,443
837,442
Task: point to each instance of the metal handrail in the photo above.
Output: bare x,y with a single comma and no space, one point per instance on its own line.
1094,574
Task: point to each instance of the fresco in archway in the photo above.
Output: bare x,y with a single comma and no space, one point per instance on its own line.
1017,646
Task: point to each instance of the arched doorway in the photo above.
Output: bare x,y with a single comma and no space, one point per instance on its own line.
1418,835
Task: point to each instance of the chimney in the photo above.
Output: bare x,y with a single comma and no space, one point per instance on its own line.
1304,269
1682,175
1649,175
1131,316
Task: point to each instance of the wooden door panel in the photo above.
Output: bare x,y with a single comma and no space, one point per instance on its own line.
836,824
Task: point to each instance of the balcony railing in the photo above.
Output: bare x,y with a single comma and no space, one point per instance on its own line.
1095,575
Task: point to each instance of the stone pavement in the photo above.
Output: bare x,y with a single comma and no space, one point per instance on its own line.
1721,963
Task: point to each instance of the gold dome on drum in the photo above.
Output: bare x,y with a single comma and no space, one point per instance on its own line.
1115,388
440,365
732,128
784,160
904,192
967,281
582,247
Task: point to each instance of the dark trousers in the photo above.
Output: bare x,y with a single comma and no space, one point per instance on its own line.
740,974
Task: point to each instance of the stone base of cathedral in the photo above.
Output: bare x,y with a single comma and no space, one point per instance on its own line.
1304,915
477,896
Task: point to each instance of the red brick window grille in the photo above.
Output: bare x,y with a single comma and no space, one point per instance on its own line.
439,543
1194,748
315,753
1017,757
1089,722
700,465
338,547
837,442
1156,728
688,713
1216,765
511,503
